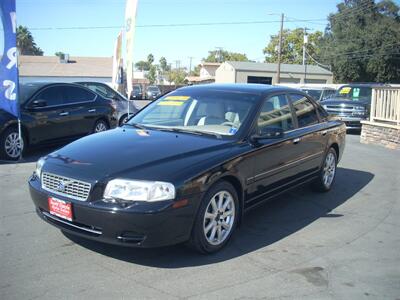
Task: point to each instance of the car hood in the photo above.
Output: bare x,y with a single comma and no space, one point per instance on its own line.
339,100
140,154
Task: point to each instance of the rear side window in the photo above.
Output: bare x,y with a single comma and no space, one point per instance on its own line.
73,94
304,110
102,90
275,113
52,95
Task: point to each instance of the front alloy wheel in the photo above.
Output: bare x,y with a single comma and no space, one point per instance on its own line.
216,219
219,218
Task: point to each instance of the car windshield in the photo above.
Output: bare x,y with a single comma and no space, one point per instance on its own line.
201,112
316,94
136,88
153,89
354,93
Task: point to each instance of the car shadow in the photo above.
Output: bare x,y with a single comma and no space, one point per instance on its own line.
269,223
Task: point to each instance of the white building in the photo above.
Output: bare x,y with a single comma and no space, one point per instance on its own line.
266,73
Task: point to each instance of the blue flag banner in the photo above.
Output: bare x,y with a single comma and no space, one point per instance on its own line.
8,55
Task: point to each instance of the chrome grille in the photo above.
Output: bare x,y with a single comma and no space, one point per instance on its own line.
65,186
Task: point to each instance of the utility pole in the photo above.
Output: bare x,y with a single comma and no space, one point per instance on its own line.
219,51
190,64
305,42
278,73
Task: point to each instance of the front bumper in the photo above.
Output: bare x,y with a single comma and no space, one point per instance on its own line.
351,122
157,225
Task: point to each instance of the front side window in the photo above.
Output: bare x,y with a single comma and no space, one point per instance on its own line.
216,112
73,94
304,109
275,113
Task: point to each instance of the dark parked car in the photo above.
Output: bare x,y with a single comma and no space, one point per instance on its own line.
351,104
119,101
187,166
319,94
152,92
136,93
52,113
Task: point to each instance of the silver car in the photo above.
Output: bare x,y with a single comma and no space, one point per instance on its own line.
120,101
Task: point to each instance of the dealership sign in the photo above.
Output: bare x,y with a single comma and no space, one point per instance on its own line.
8,55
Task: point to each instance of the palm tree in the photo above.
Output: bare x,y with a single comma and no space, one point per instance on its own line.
25,42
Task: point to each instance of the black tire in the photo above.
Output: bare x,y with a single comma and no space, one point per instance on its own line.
199,240
321,184
100,124
123,120
5,138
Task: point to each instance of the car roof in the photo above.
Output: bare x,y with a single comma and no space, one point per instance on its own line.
363,85
239,87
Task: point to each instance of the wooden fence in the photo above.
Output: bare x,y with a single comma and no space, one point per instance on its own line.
385,105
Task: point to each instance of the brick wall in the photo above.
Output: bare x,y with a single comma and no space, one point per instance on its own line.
382,134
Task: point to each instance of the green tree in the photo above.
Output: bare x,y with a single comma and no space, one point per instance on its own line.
142,65
223,55
150,59
152,74
163,64
177,76
362,41
195,71
59,54
292,46
25,42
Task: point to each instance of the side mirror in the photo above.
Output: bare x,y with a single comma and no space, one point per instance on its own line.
39,103
268,133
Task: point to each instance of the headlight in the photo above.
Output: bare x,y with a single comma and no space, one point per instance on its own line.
359,108
39,166
137,190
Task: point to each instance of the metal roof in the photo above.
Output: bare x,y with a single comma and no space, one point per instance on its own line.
285,68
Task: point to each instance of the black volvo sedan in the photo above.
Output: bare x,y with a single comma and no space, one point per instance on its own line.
187,167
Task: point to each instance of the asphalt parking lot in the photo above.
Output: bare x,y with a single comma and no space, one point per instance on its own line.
339,245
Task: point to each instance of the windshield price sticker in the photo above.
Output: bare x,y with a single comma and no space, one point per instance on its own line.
180,98
170,103
345,90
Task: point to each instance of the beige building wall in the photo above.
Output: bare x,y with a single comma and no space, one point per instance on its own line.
225,74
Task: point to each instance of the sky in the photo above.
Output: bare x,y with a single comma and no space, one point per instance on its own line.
43,17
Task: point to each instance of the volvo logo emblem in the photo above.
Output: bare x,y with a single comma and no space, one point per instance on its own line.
62,185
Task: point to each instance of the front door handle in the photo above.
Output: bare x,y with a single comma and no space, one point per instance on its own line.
64,113
92,110
296,140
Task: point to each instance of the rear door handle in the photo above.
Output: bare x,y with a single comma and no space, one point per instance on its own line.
324,132
296,140
92,110
64,113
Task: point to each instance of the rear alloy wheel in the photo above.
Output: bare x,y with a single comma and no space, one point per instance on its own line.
216,219
11,146
100,126
327,173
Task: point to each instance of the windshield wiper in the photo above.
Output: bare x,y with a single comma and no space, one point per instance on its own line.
136,125
197,132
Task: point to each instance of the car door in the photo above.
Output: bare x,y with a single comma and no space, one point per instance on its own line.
273,158
79,102
49,117
311,134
